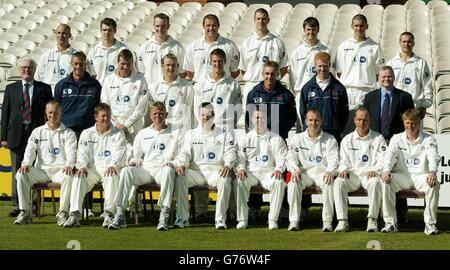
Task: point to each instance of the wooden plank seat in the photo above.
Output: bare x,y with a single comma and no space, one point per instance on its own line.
258,189
41,187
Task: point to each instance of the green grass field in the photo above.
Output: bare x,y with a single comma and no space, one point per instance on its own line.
44,234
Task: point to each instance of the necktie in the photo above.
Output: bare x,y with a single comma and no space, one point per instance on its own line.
386,115
26,106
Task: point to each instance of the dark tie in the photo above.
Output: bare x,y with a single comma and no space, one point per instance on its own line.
386,116
26,108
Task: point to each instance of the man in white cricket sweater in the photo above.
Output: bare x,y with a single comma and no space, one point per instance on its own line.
206,157
153,149
103,56
361,164
176,93
411,161
101,155
126,91
52,148
312,159
261,161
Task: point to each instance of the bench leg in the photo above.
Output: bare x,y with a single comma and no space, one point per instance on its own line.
136,199
101,202
145,203
53,202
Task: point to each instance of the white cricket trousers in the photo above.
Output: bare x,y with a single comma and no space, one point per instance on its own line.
295,192
242,189
136,176
194,178
343,186
82,185
401,181
36,175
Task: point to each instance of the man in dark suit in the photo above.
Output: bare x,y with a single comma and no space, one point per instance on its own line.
386,106
23,109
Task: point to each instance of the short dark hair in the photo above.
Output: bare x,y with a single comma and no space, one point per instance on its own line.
211,17
102,107
311,21
109,22
261,10
359,17
125,54
209,106
407,34
79,54
218,52
162,16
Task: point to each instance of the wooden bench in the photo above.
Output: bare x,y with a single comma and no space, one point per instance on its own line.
40,188
258,189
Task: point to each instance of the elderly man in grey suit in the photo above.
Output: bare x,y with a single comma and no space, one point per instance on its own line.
23,109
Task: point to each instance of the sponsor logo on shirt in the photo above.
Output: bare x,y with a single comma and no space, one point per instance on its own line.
162,146
365,158
125,98
62,72
67,91
413,161
407,81
172,103
219,100
107,153
110,68
56,151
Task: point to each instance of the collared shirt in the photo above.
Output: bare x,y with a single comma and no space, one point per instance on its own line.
178,96
207,150
265,152
414,77
155,148
358,63
315,155
383,97
128,98
301,64
322,84
256,50
224,94
151,53
30,89
418,157
97,150
362,153
104,60
51,148
54,65
197,57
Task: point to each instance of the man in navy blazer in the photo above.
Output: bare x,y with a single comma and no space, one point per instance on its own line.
14,130
400,101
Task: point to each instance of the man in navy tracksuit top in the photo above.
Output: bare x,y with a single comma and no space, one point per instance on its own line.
78,94
325,93
277,98
281,115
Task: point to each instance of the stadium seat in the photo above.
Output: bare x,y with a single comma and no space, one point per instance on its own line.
146,33
80,46
195,5
46,32
22,12
29,25
10,37
13,74
7,7
40,50
43,12
6,25
7,60
437,3
4,44
14,18
2,79
90,13
86,38
98,8
77,27
17,51
26,44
